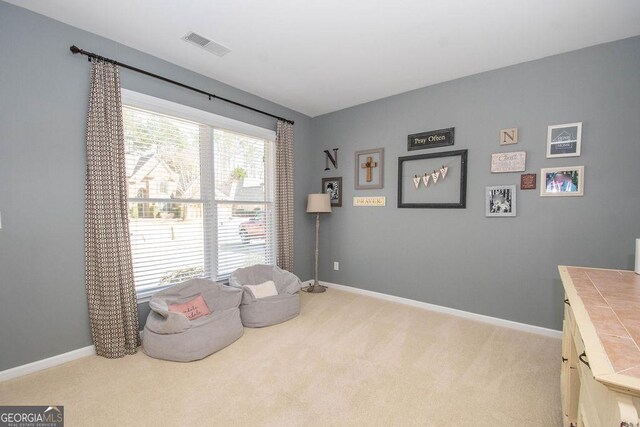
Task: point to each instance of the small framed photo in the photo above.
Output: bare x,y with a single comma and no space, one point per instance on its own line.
528,181
369,169
564,140
501,200
333,187
562,181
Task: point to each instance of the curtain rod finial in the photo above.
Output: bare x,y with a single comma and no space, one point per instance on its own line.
75,49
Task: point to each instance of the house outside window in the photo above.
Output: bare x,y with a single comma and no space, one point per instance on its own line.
200,191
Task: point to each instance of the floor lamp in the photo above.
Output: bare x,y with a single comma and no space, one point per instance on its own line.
317,204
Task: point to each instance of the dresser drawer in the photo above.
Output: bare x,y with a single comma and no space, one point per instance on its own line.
569,375
600,406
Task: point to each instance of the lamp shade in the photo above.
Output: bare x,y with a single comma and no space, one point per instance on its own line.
318,203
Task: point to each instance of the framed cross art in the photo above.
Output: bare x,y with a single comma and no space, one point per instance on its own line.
369,169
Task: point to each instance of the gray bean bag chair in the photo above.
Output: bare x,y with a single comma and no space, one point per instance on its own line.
256,313
172,336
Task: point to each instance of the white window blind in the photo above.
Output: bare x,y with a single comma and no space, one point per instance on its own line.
244,201
200,199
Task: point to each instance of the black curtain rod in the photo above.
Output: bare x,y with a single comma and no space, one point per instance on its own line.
75,49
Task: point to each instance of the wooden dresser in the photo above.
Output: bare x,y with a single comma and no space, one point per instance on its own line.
600,374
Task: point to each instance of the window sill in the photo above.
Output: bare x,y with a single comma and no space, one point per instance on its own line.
146,295
143,299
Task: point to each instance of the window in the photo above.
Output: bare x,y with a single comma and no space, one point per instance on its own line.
244,201
200,193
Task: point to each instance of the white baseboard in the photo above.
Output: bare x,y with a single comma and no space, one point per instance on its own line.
50,362
441,309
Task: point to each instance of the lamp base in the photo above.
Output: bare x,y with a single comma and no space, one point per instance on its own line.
316,288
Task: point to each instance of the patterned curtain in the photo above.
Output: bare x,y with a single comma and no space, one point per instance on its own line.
109,271
284,195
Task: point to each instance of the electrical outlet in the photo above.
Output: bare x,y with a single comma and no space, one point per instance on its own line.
336,265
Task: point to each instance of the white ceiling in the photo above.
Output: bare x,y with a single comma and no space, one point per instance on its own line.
321,56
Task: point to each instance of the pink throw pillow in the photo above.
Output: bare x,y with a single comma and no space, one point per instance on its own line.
193,309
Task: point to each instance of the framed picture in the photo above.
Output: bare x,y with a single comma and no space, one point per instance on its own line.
437,180
500,200
564,140
562,181
369,169
333,187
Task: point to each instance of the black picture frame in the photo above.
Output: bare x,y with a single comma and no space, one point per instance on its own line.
335,195
427,159
431,139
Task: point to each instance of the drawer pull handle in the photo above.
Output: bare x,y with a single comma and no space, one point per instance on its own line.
564,359
584,361
566,301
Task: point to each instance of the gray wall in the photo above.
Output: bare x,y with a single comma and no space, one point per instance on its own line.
43,105
502,267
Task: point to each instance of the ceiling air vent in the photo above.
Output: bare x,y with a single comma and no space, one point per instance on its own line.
207,44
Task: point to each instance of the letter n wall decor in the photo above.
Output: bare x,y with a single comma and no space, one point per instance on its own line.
329,158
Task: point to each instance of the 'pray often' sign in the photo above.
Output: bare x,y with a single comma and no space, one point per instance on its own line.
431,139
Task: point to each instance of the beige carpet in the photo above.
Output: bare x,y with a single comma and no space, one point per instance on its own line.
346,360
